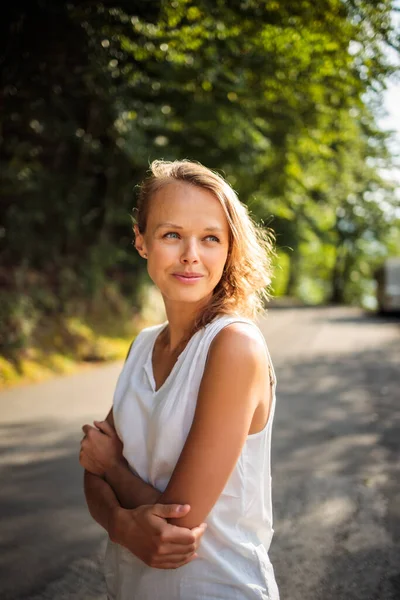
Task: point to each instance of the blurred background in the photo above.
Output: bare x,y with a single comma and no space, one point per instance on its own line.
284,99
297,105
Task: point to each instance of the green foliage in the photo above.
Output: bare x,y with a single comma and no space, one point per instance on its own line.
18,318
278,96
36,343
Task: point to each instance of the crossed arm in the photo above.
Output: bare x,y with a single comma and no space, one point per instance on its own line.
225,410
130,514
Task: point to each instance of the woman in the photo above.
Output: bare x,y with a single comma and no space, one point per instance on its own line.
193,407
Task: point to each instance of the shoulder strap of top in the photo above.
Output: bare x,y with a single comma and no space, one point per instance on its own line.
129,351
149,333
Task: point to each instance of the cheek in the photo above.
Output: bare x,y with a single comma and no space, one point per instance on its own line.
215,256
215,265
161,257
220,258
163,254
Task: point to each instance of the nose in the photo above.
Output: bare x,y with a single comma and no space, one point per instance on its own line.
190,253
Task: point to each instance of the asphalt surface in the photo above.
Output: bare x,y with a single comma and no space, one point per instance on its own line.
336,468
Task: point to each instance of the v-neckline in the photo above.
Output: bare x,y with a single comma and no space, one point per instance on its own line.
149,362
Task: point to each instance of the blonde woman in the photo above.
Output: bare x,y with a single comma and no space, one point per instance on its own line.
179,473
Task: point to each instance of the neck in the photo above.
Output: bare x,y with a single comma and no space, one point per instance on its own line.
181,319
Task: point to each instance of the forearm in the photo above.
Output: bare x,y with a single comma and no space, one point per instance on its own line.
130,490
100,498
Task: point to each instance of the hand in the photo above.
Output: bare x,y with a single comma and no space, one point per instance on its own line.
145,532
101,448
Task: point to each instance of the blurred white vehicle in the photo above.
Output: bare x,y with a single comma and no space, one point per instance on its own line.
388,285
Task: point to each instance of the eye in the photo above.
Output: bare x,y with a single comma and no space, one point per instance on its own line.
212,238
171,235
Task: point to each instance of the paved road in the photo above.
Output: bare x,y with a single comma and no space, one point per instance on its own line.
335,456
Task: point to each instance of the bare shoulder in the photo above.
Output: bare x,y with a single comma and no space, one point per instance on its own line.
239,342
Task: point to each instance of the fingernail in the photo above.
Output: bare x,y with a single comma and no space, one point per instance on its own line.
182,508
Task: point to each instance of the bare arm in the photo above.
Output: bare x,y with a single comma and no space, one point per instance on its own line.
223,416
144,531
130,489
101,500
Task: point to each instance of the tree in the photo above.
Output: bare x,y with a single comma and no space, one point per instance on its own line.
273,95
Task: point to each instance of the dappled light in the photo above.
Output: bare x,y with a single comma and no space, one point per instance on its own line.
284,100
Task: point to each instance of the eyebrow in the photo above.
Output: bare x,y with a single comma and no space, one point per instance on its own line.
175,226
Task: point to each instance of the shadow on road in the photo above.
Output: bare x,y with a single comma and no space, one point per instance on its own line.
336,477
336,486
44,521
367,318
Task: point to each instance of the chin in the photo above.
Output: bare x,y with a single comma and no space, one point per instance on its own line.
189,296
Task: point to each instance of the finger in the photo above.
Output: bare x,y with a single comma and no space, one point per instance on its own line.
172,534
175,565
86,428
172,559
171,511
199,531
105,427
170,549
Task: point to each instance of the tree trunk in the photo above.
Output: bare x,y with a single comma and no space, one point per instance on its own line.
337,290
293,280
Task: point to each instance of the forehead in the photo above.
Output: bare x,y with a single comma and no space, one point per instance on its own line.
187,205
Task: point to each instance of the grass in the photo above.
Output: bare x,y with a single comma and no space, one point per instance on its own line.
61,354
94,332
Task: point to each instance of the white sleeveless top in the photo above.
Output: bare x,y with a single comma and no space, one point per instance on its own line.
233,561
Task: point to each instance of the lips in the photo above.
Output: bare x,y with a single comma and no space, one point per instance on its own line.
188,278
189,275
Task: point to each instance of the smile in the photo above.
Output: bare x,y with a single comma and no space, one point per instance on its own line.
188,279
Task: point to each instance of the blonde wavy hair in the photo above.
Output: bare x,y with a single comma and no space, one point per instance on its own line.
246,279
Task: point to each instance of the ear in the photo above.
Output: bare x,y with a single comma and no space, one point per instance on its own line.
140,243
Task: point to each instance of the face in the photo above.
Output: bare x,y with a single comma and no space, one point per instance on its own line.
186,242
